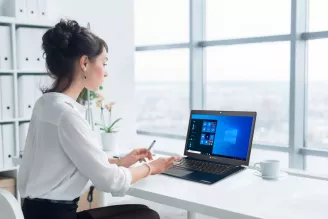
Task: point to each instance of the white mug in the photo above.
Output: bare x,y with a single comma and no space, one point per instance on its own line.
269,168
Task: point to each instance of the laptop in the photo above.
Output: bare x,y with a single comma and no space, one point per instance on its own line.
218,144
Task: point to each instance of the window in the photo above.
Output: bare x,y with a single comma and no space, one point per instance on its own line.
318,15
317,129
239,18
253,77
162,91
161,21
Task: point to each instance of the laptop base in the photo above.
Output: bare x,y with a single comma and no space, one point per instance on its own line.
200,177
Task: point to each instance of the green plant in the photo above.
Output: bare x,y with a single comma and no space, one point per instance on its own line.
109,128
83,97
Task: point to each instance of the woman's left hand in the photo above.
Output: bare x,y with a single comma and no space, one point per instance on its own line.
134,156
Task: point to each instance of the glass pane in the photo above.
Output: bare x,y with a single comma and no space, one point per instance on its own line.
317,129
161,21
239,18
252,77
317,165
162,91
318,15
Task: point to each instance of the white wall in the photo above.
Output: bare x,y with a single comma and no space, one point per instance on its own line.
112,20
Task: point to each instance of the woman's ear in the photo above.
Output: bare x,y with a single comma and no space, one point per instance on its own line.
84,61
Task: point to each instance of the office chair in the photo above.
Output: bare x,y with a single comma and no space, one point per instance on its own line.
9,206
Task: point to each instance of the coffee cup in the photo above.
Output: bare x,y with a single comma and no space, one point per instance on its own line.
269,168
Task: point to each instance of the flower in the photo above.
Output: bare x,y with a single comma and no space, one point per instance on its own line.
109,106
100,96
110,126
99,103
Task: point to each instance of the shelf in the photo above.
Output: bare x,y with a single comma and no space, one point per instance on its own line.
24,120
32,72
8,169
33,24
6,121
7,20
6,72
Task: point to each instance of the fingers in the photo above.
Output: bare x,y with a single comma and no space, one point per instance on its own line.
141,150
169,162
150,155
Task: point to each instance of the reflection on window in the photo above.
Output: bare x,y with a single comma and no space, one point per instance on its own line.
246,18
318,15
161,21
252,77
162,91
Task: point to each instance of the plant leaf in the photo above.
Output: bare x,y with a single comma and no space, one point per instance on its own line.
112,125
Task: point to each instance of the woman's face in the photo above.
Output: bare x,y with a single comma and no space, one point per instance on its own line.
96,71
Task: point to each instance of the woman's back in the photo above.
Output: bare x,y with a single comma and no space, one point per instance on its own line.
46,170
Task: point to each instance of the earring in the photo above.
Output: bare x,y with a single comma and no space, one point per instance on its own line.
85,75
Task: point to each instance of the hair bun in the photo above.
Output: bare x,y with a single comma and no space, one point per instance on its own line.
60,37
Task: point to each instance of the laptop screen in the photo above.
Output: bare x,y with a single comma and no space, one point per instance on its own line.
226,136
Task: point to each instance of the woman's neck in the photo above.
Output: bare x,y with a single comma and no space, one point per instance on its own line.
74,91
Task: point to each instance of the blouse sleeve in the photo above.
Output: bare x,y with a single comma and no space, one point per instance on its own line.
81,146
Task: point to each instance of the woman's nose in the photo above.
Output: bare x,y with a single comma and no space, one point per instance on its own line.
106,74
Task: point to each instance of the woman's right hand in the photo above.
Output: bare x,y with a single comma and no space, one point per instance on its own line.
161,164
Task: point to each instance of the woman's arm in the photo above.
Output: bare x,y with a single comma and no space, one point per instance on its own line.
158,166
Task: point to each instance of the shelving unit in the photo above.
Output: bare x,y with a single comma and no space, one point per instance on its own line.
14,23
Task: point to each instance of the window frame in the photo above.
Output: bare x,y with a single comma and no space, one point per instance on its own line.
298,38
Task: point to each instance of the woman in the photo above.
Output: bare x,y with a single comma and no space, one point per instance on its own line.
62,156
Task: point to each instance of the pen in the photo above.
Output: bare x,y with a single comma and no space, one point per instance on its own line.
149,148
151,145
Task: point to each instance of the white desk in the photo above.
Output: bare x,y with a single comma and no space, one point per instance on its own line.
241,196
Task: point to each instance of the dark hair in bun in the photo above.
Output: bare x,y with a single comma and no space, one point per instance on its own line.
63,45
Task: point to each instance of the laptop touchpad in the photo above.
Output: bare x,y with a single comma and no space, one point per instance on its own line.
179,172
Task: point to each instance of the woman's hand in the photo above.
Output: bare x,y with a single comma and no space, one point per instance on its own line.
134,156
163,164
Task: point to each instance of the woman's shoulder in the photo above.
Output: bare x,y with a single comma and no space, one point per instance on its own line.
52,107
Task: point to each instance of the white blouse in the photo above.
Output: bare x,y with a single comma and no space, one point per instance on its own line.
62,154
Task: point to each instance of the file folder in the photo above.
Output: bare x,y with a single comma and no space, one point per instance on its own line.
26,95
7,97
42,9
25,46
21,10
8,143
1,150
5,45
37,50
32,6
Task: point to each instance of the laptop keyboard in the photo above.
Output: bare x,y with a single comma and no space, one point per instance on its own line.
204,166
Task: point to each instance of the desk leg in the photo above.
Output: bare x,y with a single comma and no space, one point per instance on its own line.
192,215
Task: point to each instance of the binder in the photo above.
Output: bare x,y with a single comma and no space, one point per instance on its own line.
29,49
24,48
21,10
8,143
42,10
0,100
7,97
26,95
5,45
32,6
23,129
37,49
1,149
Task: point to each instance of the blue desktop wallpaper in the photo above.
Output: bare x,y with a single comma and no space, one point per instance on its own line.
232,134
